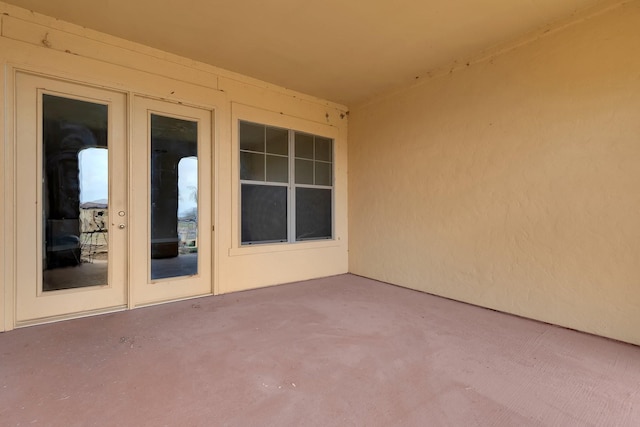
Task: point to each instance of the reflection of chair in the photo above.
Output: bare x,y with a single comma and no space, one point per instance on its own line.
63,251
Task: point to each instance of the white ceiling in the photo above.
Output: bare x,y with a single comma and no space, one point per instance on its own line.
341,50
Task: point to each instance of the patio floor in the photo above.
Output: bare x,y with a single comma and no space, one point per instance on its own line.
338,351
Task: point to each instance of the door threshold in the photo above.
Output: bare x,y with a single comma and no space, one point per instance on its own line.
52,319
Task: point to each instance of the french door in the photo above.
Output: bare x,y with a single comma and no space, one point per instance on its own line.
94,234
171,255
72,214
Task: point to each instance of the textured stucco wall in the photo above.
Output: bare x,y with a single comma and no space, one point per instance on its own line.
513,183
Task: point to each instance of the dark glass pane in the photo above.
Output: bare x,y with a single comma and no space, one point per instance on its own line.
313,213
323,173
277,141
304,146
251,137
304,172
251,166
75,193
174,197
277,169
323,149
264,214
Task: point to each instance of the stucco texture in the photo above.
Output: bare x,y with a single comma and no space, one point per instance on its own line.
512,183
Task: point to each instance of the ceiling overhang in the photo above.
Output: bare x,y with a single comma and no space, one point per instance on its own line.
345,52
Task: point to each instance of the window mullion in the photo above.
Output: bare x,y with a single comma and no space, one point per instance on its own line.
313,168
292,193
264,152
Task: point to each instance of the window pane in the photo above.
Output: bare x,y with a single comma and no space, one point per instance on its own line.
251,166
323,173
323,149
304,172
174,197
304,146
313,213
264,207
75,192
251,137
264,213
277,141
277,169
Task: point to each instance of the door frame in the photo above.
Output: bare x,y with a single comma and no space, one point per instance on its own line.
40,306
132,82
144,290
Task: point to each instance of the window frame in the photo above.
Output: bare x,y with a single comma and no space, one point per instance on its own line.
291,184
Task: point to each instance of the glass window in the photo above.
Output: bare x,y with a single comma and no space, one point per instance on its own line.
304,146
279,206
264,213
252,137
313,213
277,169
304,171
277,141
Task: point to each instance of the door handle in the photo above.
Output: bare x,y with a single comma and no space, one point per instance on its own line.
121,226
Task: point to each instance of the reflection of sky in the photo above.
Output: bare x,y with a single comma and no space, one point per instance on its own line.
94,178
187,184
94,174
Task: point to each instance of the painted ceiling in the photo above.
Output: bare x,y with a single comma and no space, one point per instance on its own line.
343,51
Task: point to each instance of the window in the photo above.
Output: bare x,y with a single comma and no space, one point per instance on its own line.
286,184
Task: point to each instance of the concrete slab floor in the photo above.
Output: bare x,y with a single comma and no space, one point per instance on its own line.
339,351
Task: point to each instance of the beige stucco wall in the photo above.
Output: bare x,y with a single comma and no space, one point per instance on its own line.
512,183
46,46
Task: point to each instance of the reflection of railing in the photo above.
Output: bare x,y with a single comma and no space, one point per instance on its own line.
93,244
94,233
188,247
187,235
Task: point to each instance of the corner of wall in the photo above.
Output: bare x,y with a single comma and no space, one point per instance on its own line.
511,184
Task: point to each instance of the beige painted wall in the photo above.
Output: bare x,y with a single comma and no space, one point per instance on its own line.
43,45
513,183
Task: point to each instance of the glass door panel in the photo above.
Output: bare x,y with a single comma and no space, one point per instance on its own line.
174,197
75,193
171,252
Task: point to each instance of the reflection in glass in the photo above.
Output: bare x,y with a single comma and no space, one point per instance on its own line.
252,137
304,172
252,166
277,141
304,146
323,173
323,149
277,168
75,193
174,197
